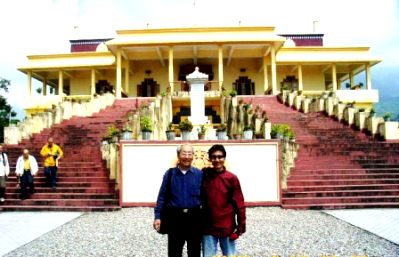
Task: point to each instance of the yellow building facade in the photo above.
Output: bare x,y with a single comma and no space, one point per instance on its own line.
250,60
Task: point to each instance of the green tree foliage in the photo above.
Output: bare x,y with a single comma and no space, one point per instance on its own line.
6,112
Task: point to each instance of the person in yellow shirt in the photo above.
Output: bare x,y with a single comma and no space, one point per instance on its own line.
51,154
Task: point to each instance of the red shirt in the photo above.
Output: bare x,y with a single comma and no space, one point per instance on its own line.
223,203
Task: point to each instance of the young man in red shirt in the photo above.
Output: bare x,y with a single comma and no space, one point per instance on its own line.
223,206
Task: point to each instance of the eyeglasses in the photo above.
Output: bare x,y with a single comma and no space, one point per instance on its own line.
214,157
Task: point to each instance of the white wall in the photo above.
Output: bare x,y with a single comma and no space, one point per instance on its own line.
256,166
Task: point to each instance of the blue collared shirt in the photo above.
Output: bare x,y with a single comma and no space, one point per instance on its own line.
185,190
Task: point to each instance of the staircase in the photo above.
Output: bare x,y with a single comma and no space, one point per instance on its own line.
83,180
336,166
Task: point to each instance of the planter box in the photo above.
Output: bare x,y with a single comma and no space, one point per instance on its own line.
372,124
389,130
360,120
320,104
329,105
305,105
291,97
298,102
339,111
349,115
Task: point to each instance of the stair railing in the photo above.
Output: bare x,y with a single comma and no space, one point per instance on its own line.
14,134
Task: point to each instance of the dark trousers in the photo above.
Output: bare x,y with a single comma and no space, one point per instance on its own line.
2,192
26,181
185,227
51,175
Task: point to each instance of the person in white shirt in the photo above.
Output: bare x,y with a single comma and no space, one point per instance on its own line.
26,169
4,172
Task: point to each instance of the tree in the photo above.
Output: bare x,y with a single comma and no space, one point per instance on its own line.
6,111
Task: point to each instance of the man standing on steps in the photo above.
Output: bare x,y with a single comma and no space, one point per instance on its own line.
26,169
51,154
4,171
179,200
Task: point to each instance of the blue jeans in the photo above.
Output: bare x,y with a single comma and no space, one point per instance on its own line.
209,246
51,175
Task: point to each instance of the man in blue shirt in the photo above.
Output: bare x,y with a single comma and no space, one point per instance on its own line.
180,197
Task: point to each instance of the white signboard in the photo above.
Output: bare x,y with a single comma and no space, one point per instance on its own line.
255,164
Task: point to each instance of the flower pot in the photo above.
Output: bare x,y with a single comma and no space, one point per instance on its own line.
248,134
170,135
127,135
222,135
185,135
146,135
201,136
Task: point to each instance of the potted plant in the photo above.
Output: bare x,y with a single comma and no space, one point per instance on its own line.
112,134
127,132
170,132
146,127
221,132
201,132
387,116
248,132
233,93
185,127
372,112
277,131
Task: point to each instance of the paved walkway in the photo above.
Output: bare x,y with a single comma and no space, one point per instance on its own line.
20,228
382,222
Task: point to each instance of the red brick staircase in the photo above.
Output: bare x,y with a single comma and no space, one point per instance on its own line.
336,166
83,180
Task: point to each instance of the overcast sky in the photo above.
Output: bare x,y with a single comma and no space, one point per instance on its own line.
45,26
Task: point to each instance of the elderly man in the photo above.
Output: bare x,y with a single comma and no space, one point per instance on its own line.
224,208
26,169
4,171
51,154
179,200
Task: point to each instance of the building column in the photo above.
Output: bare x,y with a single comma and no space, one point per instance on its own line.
368,77
351,79
334,77
171,72
265,75
220,61
29,83
93,82
273,70
118,89
60,82
300,81
44,89
127,68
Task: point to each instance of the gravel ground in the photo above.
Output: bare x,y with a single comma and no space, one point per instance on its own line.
270,231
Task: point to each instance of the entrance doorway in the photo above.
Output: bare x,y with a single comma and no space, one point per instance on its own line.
244,86
148,88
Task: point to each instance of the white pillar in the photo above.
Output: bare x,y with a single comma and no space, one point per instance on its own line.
44,89
93,82
300,82
265,75
334,77
29,82
127,68
118,90
60,82
171,73
351,79
220,61
273,70
368,77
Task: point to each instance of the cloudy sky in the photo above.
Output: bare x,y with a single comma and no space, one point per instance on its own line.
45,26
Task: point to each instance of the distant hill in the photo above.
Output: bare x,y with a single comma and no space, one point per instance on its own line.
388,104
